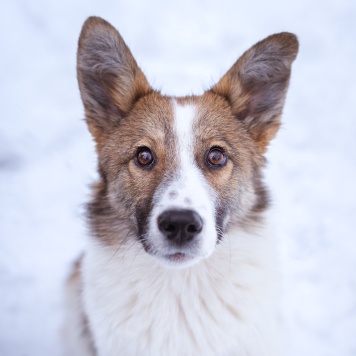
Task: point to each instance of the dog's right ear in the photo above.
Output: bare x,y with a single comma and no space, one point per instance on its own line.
110,80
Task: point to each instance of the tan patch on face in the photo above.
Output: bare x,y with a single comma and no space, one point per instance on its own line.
148,125
216,125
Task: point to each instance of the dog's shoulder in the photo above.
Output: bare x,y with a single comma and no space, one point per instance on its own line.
76,332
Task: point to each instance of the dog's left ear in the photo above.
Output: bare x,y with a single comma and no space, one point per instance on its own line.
257,83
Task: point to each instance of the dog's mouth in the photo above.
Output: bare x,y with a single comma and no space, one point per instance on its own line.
179,257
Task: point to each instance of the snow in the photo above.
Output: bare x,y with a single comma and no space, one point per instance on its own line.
47,158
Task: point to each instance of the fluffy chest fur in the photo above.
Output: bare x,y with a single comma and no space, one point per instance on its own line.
223,306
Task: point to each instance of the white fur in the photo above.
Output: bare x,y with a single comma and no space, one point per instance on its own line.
224,305
189,190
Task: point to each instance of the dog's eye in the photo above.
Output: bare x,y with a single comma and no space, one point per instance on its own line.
144,157
216,157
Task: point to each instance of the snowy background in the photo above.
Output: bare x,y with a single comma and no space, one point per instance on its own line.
47,160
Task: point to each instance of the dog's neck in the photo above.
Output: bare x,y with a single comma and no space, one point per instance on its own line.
125,285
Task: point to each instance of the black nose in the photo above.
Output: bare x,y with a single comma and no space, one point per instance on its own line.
180,226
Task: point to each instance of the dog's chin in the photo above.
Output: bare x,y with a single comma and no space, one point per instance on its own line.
178,260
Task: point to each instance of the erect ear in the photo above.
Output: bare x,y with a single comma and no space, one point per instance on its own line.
257,83
110,80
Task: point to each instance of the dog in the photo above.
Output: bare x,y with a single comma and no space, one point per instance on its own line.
180,259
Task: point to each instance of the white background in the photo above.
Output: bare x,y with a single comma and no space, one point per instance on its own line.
47,158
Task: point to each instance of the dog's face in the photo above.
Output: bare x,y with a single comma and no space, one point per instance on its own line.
179,170
186,168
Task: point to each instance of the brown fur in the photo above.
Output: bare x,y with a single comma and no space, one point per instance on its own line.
217,126
241,114
78,332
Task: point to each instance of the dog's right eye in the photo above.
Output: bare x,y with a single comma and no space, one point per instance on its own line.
144,158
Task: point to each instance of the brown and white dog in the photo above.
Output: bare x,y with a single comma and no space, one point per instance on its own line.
179,261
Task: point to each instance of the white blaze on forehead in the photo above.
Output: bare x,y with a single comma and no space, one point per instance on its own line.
183,119
191,185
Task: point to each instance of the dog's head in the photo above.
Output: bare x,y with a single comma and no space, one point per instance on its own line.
179,170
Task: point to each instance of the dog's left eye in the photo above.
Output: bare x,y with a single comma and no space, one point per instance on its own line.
216,157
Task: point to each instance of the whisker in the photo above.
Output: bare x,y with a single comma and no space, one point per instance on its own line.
129,247
139,250
222,236
124,240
